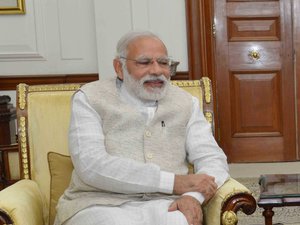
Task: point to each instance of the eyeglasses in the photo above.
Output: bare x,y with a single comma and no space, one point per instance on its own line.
163,62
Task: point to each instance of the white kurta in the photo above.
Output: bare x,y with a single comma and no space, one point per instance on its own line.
86,136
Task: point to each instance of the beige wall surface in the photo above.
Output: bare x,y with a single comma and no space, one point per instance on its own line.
256,169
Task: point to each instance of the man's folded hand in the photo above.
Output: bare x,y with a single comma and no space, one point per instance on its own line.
202,183
190,207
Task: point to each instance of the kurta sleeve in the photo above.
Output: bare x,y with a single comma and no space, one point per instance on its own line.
203,151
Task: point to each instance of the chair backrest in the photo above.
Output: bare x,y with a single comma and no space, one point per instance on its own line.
202,89
43,117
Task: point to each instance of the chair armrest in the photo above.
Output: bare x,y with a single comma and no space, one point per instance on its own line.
228,200
21,204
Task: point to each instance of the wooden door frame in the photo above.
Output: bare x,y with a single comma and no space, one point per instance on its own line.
296,43
201,44
199,17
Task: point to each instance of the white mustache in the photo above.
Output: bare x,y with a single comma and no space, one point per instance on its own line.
161,78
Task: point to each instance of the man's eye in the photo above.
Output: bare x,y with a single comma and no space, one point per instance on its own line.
164,62
143,62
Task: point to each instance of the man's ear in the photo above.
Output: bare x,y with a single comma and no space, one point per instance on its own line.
118,68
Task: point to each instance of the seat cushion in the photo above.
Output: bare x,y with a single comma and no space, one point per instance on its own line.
61,168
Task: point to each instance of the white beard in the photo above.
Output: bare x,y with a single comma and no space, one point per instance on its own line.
136,87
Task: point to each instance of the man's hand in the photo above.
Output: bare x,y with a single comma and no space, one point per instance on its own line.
202,183
190,207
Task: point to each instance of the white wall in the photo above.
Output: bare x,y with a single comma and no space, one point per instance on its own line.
79,36
164,17
53,37
64,36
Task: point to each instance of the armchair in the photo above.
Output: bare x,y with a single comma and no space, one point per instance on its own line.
43,115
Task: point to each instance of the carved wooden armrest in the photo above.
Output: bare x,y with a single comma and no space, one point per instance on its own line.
231,197
237,201
240,199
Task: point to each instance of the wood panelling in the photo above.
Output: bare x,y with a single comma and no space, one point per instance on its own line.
201,43
252,0
271,150
251,9
10,82
296,44
184,75
240,55
255,29
200,38
254,76
258,85
256,116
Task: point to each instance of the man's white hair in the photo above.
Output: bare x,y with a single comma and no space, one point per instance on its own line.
126,39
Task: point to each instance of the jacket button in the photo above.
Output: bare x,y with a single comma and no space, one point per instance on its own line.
149,155
148,133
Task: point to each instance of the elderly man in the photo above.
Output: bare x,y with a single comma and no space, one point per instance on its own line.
130,140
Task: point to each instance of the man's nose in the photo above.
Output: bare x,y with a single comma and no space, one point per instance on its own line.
155,68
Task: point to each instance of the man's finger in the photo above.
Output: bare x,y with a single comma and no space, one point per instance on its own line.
198,218
189,217
173,207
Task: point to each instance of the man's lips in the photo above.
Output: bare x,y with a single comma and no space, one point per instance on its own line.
154,83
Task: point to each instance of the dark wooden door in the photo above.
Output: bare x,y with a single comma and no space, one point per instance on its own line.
296,42
255,87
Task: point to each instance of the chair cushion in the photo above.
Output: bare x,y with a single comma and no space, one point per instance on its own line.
61,168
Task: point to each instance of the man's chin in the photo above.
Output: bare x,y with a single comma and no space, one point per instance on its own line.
154,90
153,94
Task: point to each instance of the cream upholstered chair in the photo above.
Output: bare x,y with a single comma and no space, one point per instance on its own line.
43,115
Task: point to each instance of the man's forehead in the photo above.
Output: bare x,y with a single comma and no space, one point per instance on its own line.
140,46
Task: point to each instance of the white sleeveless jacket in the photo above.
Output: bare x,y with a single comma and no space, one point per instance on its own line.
161,142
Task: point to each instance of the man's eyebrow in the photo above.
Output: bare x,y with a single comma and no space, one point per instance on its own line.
150,57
